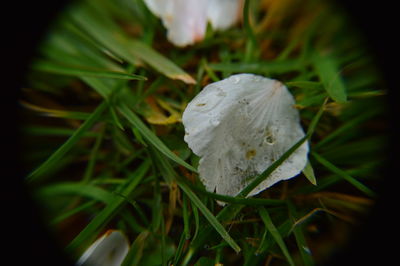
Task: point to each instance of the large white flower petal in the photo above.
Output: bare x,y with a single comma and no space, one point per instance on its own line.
109,250
239,126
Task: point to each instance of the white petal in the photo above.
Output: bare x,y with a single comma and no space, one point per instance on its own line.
185,20
160,7
224,13
239,126
108,250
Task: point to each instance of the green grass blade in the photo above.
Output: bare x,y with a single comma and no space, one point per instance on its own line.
88,234
55,112
345,127
156,210
79,189
60,152
196,221
151,137
93,157
275,234
236,200
316,118
256,181
55,131
159,62
329,75
305,252
69,213
135,253
309,85
308,171
273,67
179,249
210,217
110,36
81,71
252,40
169,173
360,186
263,243
185,215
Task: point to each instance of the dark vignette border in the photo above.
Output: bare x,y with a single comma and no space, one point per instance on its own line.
28,241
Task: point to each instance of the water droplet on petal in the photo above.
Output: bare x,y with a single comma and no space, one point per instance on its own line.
221,92
214,121
235,80
269,140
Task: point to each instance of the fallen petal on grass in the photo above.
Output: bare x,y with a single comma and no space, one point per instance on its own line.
239,126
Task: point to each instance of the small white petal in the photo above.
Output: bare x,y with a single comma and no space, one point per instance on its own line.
239,126
109,250
160,7
186,20
224,13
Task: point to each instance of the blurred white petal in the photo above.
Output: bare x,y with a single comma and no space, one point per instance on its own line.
239,126
160,7
186,20
109,250
224,13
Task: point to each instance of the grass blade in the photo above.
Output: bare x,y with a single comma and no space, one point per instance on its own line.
252,40
136,251
60,152
185,214
308,171
275,234
275,67
169,173
300,239
55,112
110,36
209,216
329,75
55,131
66,214
179,249
90,231
360,186
89,191
80,71
151,137
236,200
345,127
256,181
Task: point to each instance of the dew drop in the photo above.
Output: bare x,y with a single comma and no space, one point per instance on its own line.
306,249
220,92
269,140
235,80
215,121
256,78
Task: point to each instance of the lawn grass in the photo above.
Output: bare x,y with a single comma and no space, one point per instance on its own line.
104,140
